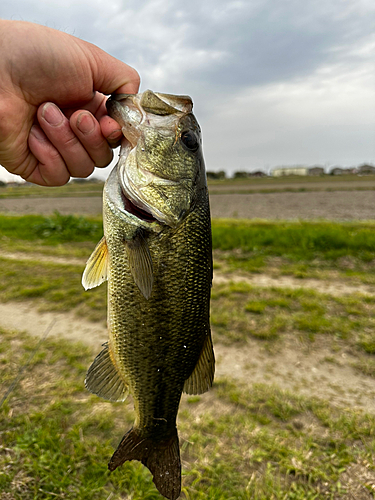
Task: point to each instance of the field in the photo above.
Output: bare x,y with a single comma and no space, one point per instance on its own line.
292,411
333,198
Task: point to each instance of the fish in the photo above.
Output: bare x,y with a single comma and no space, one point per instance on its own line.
156,254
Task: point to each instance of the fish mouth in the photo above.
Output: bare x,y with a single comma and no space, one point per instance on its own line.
131,111
133,209
131,198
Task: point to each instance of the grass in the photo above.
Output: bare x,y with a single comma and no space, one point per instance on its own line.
296,240
321,250
240,441
237,442
303,249
50,230
240,311
54,287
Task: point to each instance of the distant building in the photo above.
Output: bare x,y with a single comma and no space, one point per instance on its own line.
366,170
281,171
316,171
338,171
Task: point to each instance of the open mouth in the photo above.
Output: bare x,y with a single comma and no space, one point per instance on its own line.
134,210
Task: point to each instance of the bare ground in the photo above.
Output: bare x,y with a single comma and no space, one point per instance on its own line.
304,369
335,205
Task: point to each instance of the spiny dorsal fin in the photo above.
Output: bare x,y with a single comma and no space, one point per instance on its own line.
203,374
141,264
96,268
104,380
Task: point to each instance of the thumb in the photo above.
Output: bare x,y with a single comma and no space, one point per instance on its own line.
110,74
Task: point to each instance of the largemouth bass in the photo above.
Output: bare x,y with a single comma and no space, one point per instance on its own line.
156,255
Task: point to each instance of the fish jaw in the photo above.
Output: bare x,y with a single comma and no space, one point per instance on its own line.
156,172
122,207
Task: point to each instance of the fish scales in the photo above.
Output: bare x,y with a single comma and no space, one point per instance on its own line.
156,255
171,325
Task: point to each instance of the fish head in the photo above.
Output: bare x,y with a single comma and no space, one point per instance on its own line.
161,167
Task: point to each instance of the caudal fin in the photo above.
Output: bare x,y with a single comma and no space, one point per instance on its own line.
161,457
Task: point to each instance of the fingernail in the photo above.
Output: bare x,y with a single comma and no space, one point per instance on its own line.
116,134
52,114
37,133
85,123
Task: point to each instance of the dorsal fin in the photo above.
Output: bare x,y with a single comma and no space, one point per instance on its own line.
96,267
203,374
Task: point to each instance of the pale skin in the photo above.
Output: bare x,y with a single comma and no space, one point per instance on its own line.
53,120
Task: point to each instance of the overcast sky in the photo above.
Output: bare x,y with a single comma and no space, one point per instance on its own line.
274,83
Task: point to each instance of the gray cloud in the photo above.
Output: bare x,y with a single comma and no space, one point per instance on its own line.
273,82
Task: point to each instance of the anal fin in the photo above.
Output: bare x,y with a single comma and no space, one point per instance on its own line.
160,456
104,380
96,267
203,374
141,264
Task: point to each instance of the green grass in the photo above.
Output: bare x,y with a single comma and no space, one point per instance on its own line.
55,287
293,240
241,311
237,442
50,230
296,240
318,250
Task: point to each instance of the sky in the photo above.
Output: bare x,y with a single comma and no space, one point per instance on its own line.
284,82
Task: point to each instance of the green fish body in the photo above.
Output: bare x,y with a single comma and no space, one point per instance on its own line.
156,255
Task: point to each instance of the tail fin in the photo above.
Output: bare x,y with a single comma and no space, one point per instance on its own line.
161,457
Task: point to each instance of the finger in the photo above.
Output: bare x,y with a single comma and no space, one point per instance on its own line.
111,130
49,168
96,106
57,128
88,131
111,75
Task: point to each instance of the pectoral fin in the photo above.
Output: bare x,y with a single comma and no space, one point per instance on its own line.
141,264
203,374
104,380
96,268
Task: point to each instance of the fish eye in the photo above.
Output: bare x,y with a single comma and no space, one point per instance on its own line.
190,140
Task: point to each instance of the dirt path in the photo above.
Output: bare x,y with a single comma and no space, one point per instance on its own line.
336,288
310,370
306,370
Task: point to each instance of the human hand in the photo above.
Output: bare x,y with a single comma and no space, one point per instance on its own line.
53,119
